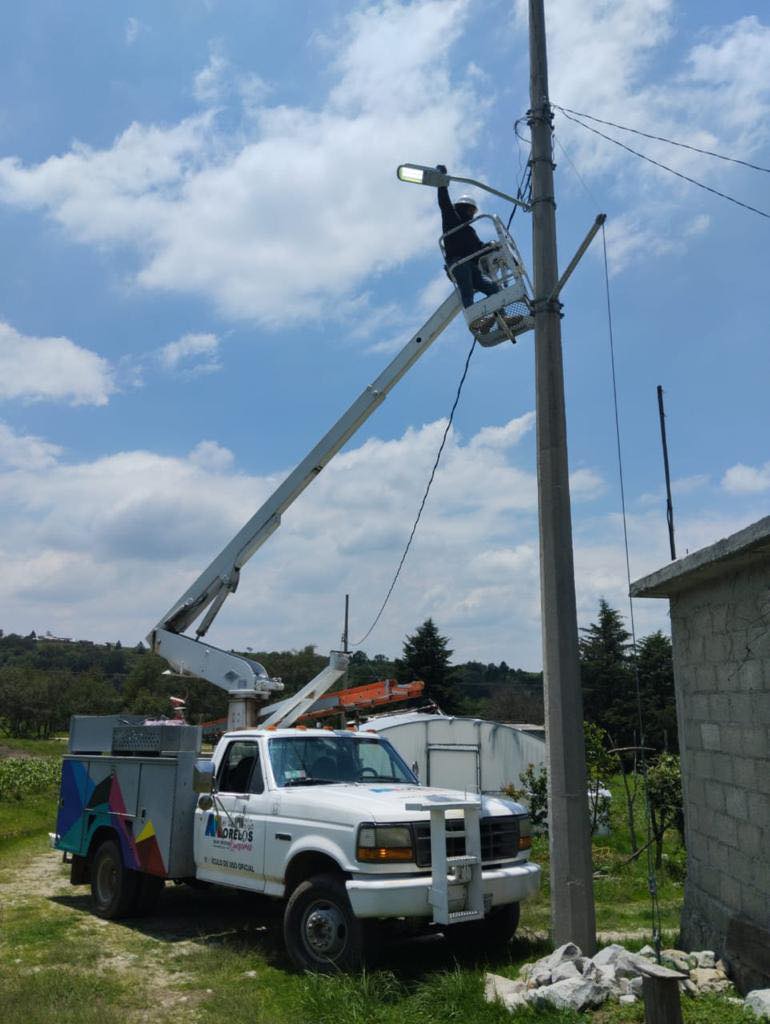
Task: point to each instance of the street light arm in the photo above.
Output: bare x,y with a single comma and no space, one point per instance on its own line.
417,174
494,191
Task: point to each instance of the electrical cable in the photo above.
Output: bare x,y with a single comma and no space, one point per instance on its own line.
665,167
424,497
660,138
652,882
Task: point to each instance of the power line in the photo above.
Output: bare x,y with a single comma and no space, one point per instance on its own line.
665,167
424,497
660,138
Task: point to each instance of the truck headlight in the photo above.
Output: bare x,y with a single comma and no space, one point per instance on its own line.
382,843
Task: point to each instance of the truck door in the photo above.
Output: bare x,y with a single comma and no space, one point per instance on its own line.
230,836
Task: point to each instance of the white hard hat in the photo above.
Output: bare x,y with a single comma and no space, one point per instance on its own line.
467,201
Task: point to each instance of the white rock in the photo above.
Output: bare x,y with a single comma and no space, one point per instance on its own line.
630,965
249,974
571,994
676,958
512,994
627,1000
705,958
636,985
567,969
608,955
569,951
647,951
759,1002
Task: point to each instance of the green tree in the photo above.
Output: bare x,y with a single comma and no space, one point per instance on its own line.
609,693
656,684
426,657
664,792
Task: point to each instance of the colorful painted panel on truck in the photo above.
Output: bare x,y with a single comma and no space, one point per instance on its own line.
100,794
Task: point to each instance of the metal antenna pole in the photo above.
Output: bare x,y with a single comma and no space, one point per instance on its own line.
345,630
669,505
572,900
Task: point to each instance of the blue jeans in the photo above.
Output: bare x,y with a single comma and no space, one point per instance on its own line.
470,280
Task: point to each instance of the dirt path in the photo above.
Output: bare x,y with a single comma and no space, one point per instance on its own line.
152,957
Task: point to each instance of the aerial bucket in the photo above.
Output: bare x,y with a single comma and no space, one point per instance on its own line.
508,313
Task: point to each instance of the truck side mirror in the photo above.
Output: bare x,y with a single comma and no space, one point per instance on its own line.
416,769
203,776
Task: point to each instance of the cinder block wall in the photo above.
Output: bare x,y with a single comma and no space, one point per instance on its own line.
721,640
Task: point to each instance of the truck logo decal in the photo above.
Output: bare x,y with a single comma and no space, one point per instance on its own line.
227,835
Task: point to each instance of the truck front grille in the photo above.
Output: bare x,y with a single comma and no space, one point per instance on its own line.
499,839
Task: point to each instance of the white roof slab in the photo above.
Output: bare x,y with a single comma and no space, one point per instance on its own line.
744,548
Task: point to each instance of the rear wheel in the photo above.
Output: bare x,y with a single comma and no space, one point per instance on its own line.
319,927
114,887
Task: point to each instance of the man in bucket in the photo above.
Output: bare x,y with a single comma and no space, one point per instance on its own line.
461,242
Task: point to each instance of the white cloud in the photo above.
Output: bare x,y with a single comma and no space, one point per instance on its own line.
605,60
742,479
51,369
192,354
209,83
507,436
100,548
246,218
132,30
211,456
19,451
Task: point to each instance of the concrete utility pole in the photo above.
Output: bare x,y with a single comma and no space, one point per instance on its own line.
572,899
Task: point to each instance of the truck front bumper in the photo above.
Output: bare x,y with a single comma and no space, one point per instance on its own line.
400,896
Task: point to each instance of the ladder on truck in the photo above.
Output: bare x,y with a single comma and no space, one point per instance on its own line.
447,873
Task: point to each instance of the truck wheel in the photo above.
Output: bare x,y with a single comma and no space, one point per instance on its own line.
113,886
147,892
496,930
319,928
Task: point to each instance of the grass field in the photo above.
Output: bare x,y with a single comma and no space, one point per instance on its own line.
214,955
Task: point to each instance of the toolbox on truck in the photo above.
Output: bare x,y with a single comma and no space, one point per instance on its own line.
135,780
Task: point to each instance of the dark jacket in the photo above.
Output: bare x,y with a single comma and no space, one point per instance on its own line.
460,243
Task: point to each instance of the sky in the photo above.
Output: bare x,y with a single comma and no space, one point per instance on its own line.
206,256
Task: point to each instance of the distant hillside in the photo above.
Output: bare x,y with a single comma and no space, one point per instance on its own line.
44,680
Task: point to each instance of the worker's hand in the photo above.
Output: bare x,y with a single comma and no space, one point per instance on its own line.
441,169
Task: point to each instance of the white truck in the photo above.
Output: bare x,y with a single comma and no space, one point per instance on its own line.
333,822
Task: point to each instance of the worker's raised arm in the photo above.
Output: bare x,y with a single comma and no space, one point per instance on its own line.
448,212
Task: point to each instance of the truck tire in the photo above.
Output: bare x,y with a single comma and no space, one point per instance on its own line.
496,930
113,886
319,928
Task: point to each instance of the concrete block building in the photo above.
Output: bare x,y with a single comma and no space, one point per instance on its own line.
720,627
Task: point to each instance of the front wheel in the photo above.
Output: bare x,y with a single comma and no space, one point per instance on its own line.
114,887
319,928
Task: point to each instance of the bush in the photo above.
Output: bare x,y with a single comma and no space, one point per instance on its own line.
20,776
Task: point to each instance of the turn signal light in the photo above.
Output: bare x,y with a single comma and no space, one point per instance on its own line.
385,853
525,842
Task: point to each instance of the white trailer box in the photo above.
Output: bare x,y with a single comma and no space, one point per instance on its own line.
467,754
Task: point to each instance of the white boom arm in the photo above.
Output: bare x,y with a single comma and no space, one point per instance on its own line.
220,579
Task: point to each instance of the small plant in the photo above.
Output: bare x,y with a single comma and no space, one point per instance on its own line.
534,793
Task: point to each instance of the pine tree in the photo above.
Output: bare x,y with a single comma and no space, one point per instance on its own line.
656,683
606,674
427,657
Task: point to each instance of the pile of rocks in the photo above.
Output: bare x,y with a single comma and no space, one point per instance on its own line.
568,980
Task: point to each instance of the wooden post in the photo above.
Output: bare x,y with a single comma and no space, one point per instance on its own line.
660,989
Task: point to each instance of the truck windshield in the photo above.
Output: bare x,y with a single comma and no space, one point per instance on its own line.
320,760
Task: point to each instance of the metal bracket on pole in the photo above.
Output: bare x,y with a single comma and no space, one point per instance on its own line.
601,218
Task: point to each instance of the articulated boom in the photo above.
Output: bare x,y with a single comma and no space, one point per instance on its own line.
245,680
